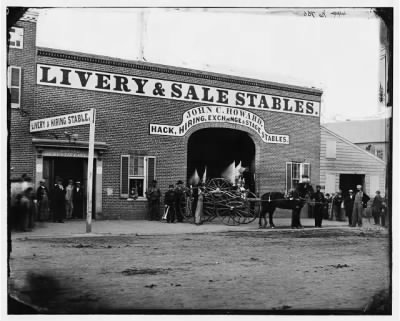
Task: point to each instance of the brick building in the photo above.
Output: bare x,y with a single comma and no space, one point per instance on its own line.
155,122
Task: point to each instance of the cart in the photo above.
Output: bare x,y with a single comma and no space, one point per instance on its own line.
223,201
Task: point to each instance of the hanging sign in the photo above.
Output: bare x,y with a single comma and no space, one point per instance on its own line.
76,119
219,114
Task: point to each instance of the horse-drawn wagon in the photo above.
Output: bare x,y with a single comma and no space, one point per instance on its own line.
223,201
233,206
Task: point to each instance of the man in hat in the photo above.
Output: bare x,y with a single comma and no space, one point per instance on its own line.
377,207
348,205
42,196
303,192
153,195
179,200
69,205
319,200
78,197
58,201
360,202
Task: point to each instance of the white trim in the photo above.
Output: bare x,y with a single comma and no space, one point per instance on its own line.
350,143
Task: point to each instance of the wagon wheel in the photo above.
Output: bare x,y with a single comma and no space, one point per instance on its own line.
223,210
221,184
209,212
246,208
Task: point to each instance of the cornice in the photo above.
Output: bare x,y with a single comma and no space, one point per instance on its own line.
201,75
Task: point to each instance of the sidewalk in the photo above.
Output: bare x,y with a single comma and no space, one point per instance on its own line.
77,228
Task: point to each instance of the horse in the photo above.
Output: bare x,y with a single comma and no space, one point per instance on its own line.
295,202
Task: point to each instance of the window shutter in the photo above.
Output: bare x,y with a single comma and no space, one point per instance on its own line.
288,176
124,181
151,169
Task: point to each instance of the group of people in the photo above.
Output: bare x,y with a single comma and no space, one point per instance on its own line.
173,200
354,206
57,204
67,202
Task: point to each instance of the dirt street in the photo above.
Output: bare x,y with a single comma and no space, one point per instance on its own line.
332,270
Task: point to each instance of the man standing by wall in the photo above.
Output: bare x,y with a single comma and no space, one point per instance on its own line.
153,195
348,205
58,202
377,207
42,196
69,199
179,200
319,199
77,201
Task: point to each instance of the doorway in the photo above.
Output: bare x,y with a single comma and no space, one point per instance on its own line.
68,168
216,149
350,181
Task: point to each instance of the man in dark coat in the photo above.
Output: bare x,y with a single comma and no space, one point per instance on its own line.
179,200
42,196
169,203
294,196
349,204
337,206
58,202
302,191
377,207
153,195
319,199
78,197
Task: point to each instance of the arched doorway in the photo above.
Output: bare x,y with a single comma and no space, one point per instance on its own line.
217,149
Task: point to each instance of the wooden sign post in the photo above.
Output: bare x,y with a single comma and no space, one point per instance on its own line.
90,171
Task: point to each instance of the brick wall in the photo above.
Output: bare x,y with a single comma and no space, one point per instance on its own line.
20,145
123,123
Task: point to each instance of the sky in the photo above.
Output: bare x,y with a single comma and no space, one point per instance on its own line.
338,54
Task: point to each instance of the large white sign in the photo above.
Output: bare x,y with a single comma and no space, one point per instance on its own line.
58,76
76,119
219,114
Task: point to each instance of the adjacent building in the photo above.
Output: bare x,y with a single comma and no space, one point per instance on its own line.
345,165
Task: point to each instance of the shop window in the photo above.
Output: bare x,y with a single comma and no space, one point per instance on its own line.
294,172
17,38
14,85
137,172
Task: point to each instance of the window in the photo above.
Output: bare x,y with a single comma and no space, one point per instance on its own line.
294,172
14,84
331,149
136,174
16,38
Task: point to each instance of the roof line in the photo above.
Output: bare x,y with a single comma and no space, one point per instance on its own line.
106,60
354,145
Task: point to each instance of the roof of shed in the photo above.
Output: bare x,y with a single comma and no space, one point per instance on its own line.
361,131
